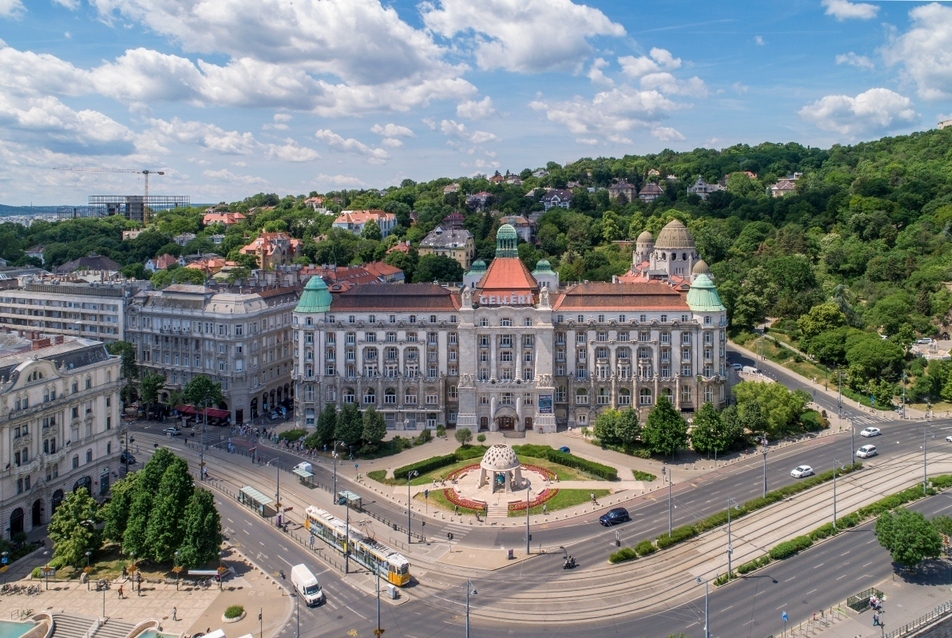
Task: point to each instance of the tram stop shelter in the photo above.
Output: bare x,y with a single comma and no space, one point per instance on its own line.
250,497
351,500
305,474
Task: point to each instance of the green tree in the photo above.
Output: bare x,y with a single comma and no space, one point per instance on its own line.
326,426
127,368
165,278
432,268
72,528
202,392
374,428
134,537
820,318
350,426
706,434
908,537
778,409
116,509
164,533
464,436
665,430
627,427
751,416
604,427
149,388
371,231
202,530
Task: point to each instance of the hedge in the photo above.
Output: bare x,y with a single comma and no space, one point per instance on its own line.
678,535
823,531
643,476
645,548
424,466
757,563
622,555
466,452
570,460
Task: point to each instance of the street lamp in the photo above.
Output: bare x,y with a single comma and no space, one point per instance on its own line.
707,617
730,548
177,569
410,476
347,536
334,456
670,480
852,435
925,475
88,568
379,630
528,535
764,450
277,493
834,495
469,587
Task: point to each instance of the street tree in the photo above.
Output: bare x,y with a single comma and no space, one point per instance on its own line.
202,535
432,268
116,510
165,531
464,436
350,426
72,528
706,435
326,427
778,411
908,536
665,430
821,318
202,392
128,369
374,428
135,535
149,388
604,428
627,427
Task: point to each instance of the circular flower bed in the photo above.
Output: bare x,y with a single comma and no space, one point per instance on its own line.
518,506
455,474
459,501
548,474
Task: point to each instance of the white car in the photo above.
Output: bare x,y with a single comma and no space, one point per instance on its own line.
870,432
171,432
801,471
867,451
949,439
737,366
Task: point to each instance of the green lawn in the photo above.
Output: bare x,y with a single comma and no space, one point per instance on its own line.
564,473
565,499
438,501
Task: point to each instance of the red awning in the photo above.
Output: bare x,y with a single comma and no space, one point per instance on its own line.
215,413
185,409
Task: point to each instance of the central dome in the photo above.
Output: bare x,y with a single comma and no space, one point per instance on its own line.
500,458
674,236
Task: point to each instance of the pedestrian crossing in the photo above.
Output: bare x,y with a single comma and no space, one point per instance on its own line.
456,532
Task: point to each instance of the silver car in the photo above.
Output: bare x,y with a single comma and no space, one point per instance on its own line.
867,451
801,471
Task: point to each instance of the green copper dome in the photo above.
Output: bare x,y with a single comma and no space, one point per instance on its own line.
315,298
506,240
478,266
543,267
703,297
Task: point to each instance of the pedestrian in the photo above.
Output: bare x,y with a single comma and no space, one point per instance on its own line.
593,499
120,591
174,613
875,620
543,509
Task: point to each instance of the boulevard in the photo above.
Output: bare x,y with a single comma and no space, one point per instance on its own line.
435,602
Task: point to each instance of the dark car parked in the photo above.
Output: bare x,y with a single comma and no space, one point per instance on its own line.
614,516
126,457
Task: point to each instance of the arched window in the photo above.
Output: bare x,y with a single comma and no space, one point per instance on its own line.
390,396
410,398
348,395
624,397
668,394
603,396
644,397
581,396
330,394
370,396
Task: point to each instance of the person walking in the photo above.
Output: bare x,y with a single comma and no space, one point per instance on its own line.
174,613
120,592
875,620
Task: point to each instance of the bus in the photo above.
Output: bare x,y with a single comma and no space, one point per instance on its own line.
365,550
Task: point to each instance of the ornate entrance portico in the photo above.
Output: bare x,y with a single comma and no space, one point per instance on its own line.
501,470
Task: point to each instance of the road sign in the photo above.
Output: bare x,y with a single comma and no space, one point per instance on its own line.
784,617
426,493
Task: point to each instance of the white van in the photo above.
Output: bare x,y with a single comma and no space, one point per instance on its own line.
750,370
306,585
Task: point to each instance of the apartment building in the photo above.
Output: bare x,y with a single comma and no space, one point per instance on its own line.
59,426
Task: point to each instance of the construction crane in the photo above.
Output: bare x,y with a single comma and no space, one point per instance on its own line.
145,172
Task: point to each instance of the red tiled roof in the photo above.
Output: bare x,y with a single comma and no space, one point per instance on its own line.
381,269
654,295
396,298
507,274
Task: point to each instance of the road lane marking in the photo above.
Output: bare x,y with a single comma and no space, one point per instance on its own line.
842,577
846,552
868,564
358,613
811,591
819,566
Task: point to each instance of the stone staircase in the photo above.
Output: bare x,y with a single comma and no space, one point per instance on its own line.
498,510
67,626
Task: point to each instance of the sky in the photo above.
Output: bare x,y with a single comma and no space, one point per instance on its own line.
234,97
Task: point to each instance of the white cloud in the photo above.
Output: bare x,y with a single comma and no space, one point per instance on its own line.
844,9
759,40
596,75
924,51
392,130
429,122
392,142
852,59
47,123
667,134
875,111
740,88
526,36
225,175
291,151
72,5
351,145
340,180
657,60
278,123
587,141
217,140
11,8
667,83
473,110
458,130
618,110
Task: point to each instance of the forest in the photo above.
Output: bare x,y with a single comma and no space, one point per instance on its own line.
852,267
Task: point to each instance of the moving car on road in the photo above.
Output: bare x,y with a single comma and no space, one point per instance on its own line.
870,431
171,432
127,458
949,439
801,471
614,516
867,451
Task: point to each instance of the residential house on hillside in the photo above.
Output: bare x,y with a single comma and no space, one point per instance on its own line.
785,186
457,244
622,188
557,198
90,262
314,203
162,262
129,235
479,201
400,247
353,221
650,192
451,188
228,219
273,249
497,178
210,265
183,238
524,228
702,189
37,252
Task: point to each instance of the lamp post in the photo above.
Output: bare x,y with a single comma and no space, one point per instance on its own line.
410,476
88,568
834,494
177,569
347,536
379,630
925,475
334,456
839,391
297,608
904,394
528,535
670,479
469,587
764,450
707,617
277,493
730,547
852,438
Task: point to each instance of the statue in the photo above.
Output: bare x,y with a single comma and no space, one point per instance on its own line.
467,297
544,296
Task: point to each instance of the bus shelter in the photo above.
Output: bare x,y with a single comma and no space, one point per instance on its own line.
351,500
257,501
304,474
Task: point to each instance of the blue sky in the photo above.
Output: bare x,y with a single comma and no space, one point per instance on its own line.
233,97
